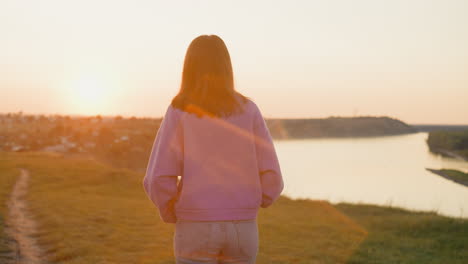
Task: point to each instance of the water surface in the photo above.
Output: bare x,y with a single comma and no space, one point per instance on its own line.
381,170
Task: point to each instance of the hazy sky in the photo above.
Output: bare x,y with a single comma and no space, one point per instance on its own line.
406,59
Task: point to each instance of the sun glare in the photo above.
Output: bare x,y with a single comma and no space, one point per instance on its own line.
87,95
89,91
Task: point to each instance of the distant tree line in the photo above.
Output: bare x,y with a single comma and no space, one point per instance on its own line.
449,142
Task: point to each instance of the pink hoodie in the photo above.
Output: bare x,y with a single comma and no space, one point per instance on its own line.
228,166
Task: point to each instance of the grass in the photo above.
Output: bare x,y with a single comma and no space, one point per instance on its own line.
91,213
8,175
400,236
453,175
457,176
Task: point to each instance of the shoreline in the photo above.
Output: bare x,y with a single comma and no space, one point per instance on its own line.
345,137
389,206
448,154
448,177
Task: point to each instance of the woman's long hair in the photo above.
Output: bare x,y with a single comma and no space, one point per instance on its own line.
207,86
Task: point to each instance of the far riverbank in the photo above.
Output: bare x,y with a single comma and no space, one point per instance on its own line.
453,175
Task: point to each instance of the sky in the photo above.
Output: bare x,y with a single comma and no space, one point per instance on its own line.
407,59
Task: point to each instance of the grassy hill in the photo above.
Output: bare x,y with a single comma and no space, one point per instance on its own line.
400,236
88,212
366,126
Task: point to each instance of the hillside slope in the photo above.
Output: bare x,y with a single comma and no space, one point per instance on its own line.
337,127
89,212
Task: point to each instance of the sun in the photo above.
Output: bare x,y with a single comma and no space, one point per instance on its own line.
88,95
89,90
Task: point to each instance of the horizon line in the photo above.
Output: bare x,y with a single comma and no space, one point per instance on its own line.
284,118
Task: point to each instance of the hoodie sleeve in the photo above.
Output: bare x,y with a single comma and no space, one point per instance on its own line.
164,165
268,164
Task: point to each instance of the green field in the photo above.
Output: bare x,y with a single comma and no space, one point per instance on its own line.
457,176
453,175
399,236
88,212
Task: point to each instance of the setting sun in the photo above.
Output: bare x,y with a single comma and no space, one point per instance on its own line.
89,90
88,95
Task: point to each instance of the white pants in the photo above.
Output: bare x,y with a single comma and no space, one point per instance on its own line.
216,242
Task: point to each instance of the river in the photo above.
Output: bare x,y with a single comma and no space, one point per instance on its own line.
380,170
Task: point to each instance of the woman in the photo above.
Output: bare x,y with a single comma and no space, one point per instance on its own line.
217,141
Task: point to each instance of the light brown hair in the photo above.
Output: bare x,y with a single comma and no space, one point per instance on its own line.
207,85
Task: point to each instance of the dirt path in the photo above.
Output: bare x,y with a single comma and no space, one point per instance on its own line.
20,226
